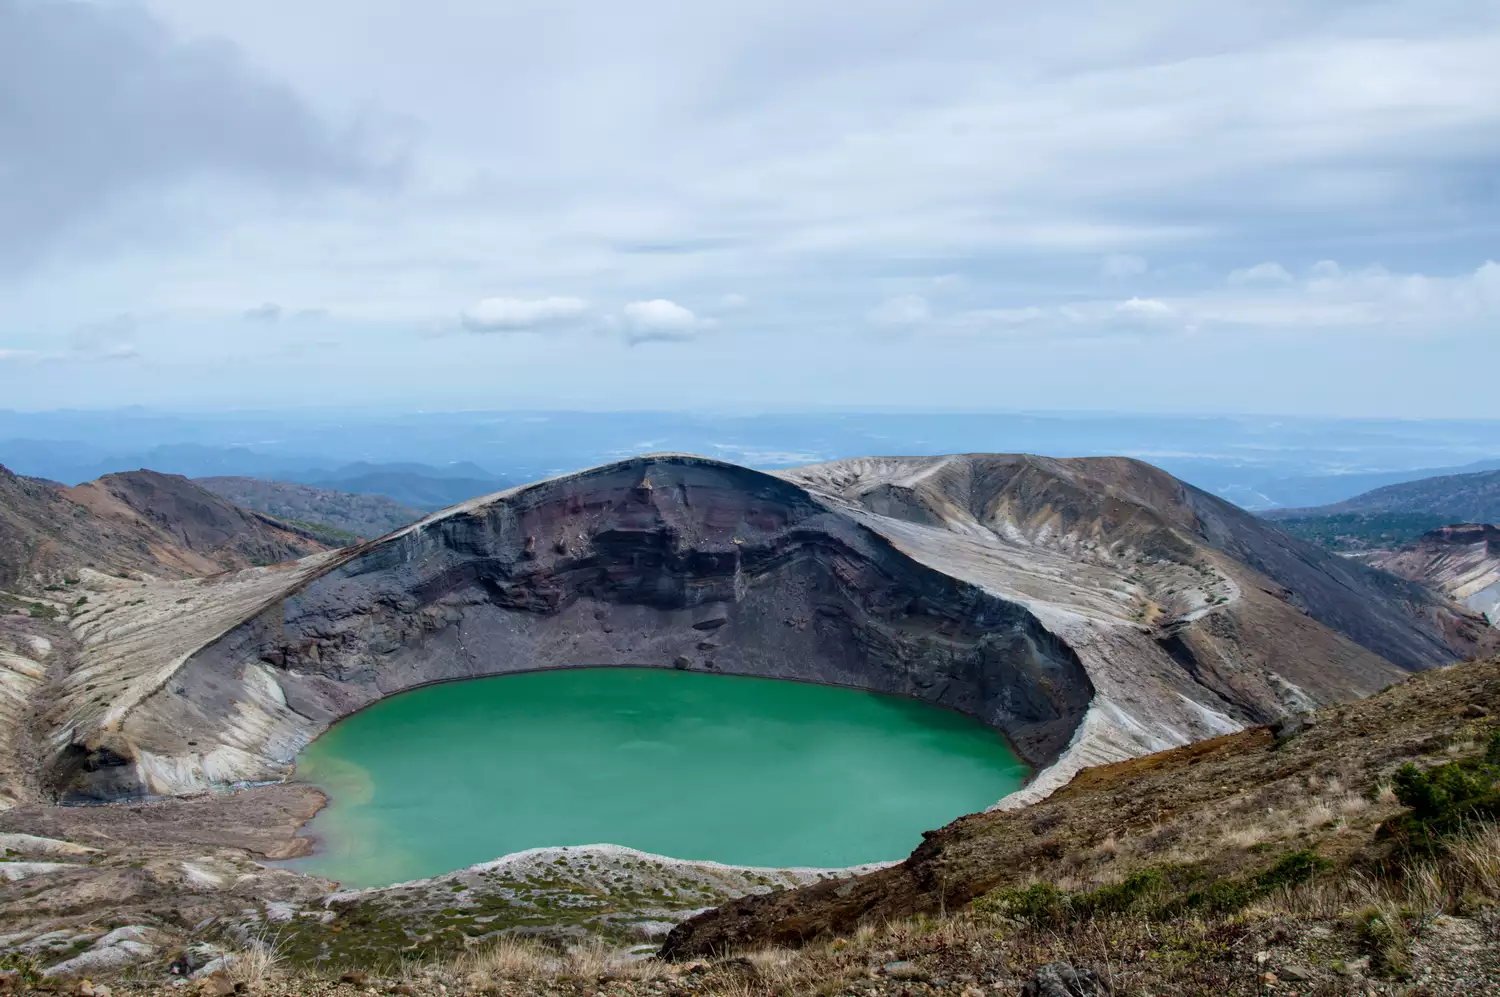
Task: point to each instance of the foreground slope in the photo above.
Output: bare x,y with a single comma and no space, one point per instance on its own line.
1224,810
1090,609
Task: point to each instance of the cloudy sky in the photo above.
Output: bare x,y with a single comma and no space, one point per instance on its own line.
1285,206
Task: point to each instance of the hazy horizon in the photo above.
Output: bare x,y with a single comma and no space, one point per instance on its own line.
1256,461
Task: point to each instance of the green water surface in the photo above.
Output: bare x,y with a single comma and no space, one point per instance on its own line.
737,770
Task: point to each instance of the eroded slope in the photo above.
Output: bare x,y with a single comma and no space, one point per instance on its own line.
673,562
1462,561
140,521
1091,609
1212,810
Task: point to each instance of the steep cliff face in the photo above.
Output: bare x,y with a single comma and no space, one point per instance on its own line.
1461,561
674,562
1091,610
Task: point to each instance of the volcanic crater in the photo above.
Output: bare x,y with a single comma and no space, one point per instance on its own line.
1089,609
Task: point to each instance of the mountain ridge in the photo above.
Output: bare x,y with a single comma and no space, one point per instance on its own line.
1459,498
1093,609
131,521
365,516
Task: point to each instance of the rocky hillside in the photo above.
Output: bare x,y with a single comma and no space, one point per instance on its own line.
357,516
137,521
1092,610
1274,862
1456,498
1227,810
1462,561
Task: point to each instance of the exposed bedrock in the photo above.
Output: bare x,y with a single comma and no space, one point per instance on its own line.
1091,609
667,562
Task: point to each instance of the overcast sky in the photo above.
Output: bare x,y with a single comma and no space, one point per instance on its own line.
1154,206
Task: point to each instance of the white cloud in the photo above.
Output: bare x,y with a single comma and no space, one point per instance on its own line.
660,321
1118,265
1369,300
1333,300
904,311
522,315
1261,273
1147,308
733,302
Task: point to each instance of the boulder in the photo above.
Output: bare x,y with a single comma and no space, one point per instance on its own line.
1061,979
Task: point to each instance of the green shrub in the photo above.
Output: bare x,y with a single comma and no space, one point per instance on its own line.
1443,800
1040,904
1293,870
41,612
1138,890
1160,893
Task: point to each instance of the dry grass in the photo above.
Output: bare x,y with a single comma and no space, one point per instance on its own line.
505,959
522,960
1245,837
1351,805
1474,865
256,965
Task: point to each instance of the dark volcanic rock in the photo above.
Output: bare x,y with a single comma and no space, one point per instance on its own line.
1022,591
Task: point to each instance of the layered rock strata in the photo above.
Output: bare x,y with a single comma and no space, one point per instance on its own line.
1091,610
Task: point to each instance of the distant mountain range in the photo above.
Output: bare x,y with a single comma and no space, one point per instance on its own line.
420,486
340,515
1456,498
1301,494
1396,515
416,486
1257,462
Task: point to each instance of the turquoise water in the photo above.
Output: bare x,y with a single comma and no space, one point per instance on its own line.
737,770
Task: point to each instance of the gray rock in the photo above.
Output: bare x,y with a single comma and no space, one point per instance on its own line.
120,947
1293,725
904,970
1060,979
1296,972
